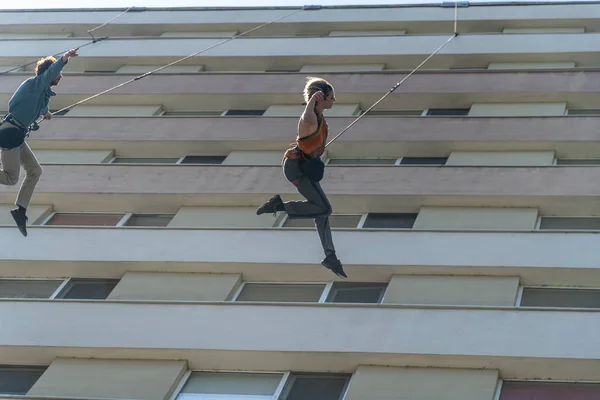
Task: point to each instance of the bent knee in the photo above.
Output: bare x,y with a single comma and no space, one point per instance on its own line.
12,179
34,172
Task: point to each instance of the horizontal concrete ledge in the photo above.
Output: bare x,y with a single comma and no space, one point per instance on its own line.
385,249
448,82
251,328
175,303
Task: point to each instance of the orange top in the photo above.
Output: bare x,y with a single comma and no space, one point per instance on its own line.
312,145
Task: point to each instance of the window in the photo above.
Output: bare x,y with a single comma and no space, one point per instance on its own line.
149,220
28,288
18,380
560,298
447,111
84,219
395,113
145,160
567,223
335,221
244,113
281,292
193,113
88,289
230,386
365,293
203,160
581,161
549,390
583,111
362,161
315,387
423,160
390,221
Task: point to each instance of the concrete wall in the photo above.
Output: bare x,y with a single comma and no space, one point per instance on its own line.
476,218
45,156
517,109
175,286
452,290
501,158
388,383
254,158
110,379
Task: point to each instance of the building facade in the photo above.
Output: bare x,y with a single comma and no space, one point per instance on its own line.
466,208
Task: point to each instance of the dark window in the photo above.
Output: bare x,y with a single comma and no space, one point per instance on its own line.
18,380
390,221
315,387
88,289
342,292
203,160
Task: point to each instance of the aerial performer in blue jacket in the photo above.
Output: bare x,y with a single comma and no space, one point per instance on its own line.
25,107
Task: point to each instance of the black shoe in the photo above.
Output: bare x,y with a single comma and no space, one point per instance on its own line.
331,262
270,206
21,219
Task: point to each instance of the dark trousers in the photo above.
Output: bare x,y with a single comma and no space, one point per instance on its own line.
316,205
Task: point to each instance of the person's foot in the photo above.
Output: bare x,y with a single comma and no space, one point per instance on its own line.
331,262
20,218
271,206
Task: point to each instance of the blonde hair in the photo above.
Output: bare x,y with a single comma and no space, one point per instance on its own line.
313,85
43,64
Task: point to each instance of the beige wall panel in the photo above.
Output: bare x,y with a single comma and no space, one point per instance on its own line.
113,111
452,290
517,109
110,379
34,35
392,383
175,286
254,158
501,158
476,218
73,156
339,110
231,217
175,69
207,34
35,213
543,30
342,68
532,65
368,33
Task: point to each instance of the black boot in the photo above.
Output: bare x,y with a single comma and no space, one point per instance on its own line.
331,262
20,218
272,206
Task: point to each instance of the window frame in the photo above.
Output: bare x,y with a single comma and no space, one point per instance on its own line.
185,378
58,289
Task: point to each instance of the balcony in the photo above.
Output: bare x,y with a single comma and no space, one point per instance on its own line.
371,136
299,336
213,91
265,53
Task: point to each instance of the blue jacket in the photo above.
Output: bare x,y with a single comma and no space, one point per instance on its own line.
33,95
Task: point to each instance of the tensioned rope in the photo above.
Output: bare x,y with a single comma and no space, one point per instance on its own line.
137,78
455,34
94,40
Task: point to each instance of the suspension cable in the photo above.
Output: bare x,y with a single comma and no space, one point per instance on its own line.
455,34
137,78
89,32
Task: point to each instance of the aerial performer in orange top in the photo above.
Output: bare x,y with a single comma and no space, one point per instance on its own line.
302,166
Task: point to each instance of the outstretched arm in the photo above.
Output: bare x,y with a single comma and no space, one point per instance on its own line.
45,79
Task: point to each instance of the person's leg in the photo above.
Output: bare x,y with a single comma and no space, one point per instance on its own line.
11,164
33,171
